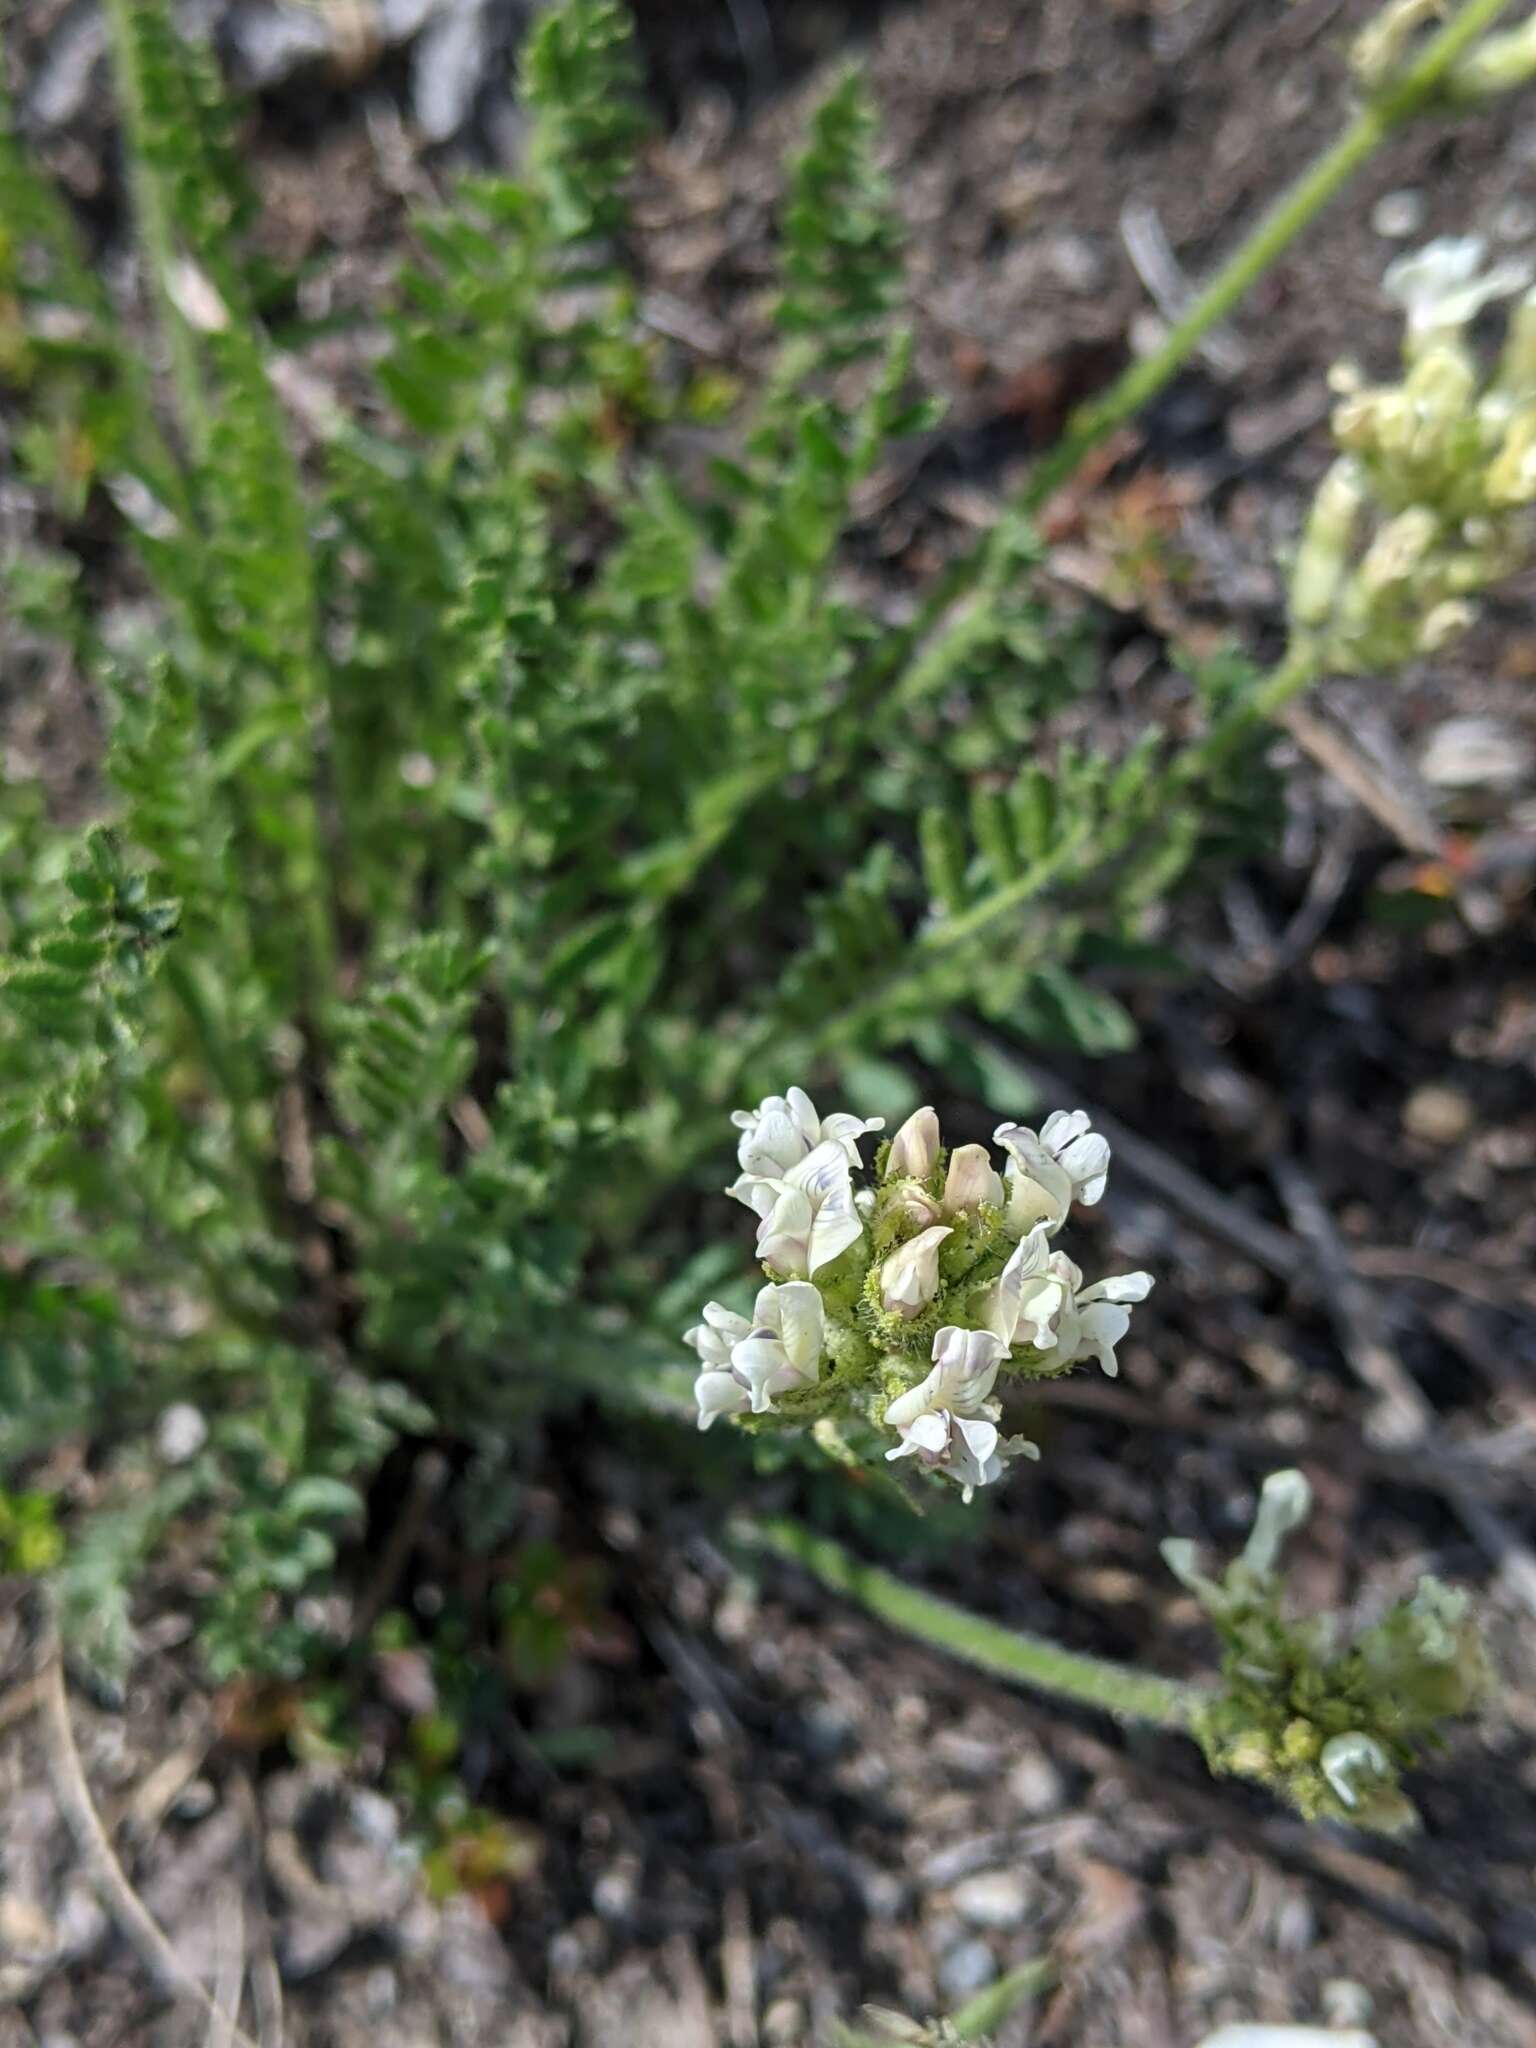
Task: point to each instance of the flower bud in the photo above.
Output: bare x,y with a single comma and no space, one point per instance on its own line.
1326,544
972,1179
909,1279
1397,551
914,1150
1442,624
1511,477
1285,1501
912,1210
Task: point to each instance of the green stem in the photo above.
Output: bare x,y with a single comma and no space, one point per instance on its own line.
238,1090
1419,84
1025,1659
1295,672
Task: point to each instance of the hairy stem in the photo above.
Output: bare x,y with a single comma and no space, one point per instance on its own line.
1026,1659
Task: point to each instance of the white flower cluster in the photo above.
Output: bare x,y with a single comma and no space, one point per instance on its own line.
1428,503
901,1303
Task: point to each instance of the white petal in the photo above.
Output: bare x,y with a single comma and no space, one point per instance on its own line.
914,1150
908,1406
909,1278
718,1393
759,1360
846,1130
712,1339
801,1321
783,1241
929,1433
971,1180
999,1307
980,1438
821,1171
837,1225
1086,1159
1119,1287
755,1191
1102,1325
967,1362
1061,1127
1043,1301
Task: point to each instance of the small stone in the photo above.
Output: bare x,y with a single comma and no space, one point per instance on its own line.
180,1433
26,1932
992,1898
784,2023
1346,2003
196,1801
1035,1784
1397,215
311,1940
1477,753
966,1970
1438,1115
449,64
883,1893
1075,262
613,1893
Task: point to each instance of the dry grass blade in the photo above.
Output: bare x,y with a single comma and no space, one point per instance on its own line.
134,1922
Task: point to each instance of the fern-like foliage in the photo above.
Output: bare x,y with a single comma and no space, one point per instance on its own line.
497,795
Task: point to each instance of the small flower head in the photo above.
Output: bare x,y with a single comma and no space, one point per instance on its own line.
861,1279
1326,1717
1426,506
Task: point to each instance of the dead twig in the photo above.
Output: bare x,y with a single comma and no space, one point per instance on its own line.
231,1970
1406,816
1153,260
262,1966
1403,1415
1444,1472
133,1920
22,1700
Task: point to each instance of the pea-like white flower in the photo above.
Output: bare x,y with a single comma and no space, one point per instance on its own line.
909,1279
747,1363
783,1347
1093,1320
1443,285
949,1422
914,1150
1025,1302
717,1389
971,1180
1039,1300
807,1217
784,1129
1064,1161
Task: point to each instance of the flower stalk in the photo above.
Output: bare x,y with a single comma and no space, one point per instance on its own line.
1023,1659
